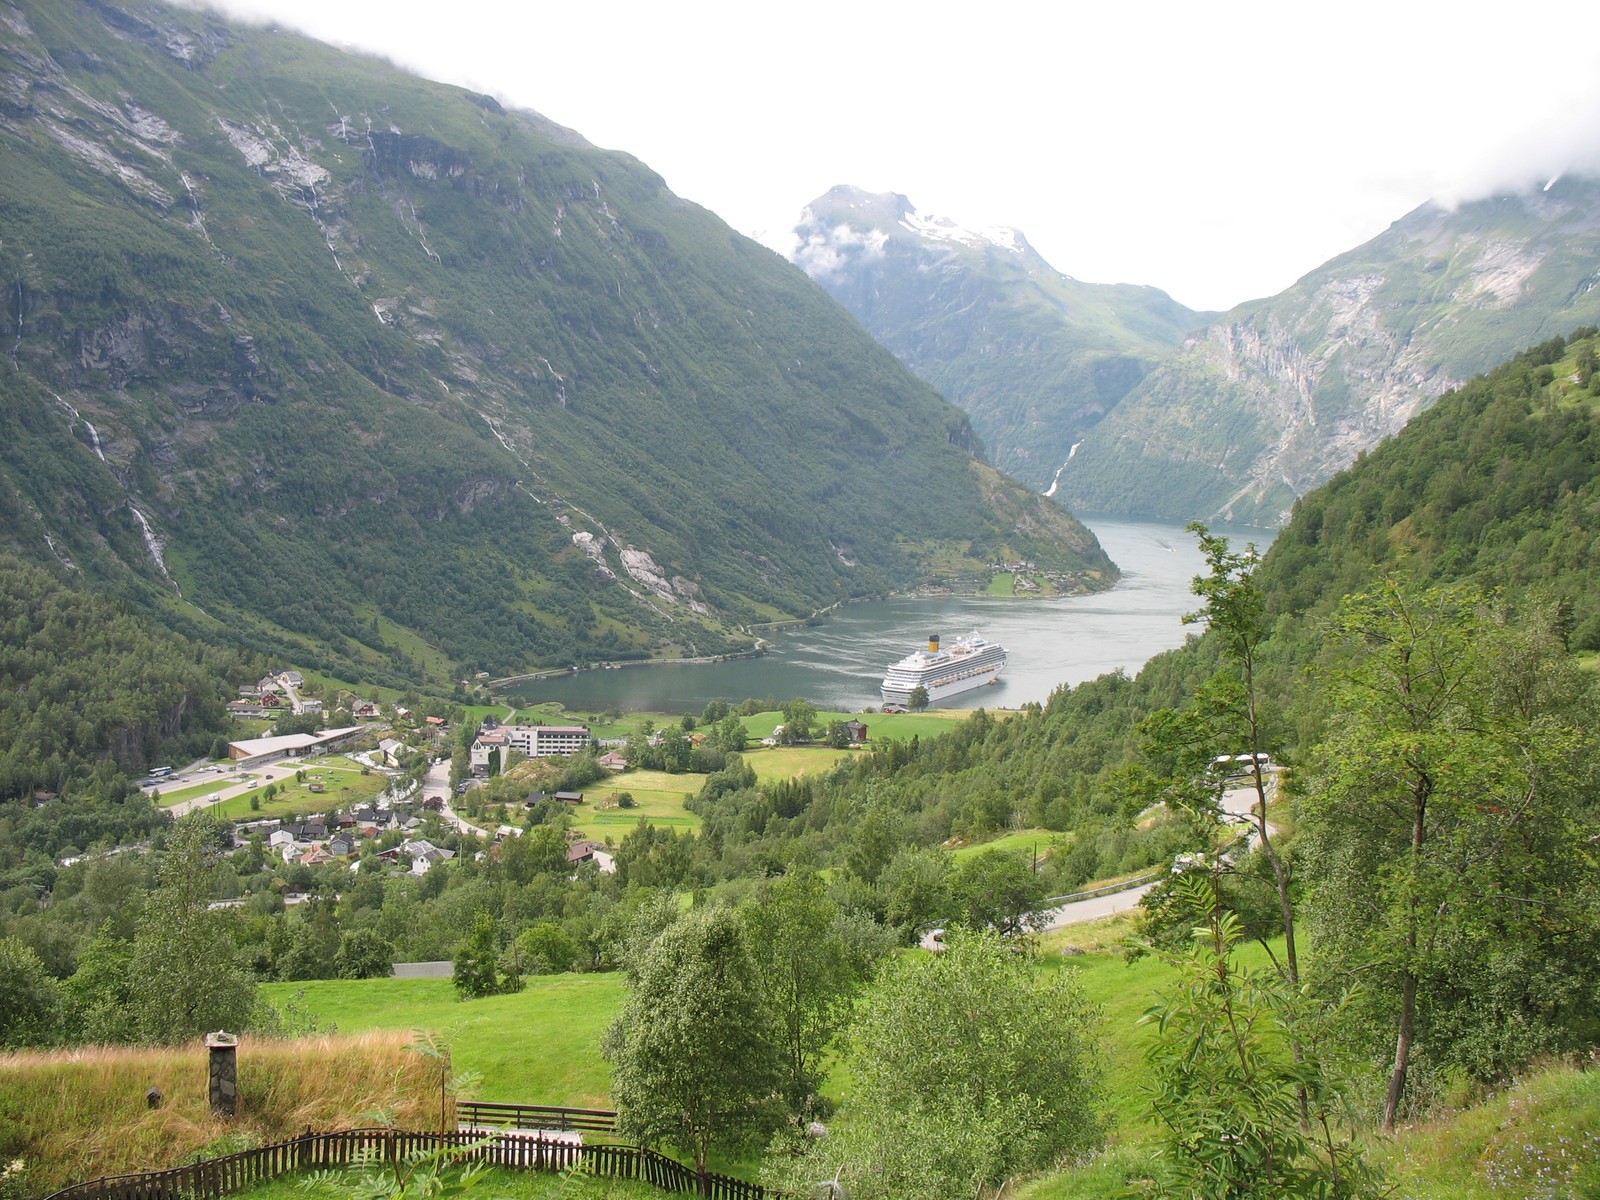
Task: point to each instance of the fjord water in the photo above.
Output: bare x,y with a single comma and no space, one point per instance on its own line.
839,663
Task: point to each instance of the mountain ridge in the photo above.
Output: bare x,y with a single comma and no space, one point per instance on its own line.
370,369
1035,356
1272,400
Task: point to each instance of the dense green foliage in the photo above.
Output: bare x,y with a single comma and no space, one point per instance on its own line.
92,693
1497,484
968,1068
349,367
695,1052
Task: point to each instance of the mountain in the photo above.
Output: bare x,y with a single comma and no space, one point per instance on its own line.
1272,399
370,374
1035,357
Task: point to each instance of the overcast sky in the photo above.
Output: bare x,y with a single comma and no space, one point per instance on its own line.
1218,151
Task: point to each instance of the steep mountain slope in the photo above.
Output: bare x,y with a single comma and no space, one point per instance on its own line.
1273,399
1035,357
373,373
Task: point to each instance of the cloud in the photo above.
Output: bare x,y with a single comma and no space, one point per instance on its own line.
1560,137
824,252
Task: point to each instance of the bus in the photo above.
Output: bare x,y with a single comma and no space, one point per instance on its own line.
160,772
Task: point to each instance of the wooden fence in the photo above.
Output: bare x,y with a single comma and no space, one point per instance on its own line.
320,1151
477,1114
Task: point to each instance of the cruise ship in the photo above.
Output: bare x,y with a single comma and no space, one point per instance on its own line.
967,663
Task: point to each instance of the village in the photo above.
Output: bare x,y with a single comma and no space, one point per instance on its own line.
409,826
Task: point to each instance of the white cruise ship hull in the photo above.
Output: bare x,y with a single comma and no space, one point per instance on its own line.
968,664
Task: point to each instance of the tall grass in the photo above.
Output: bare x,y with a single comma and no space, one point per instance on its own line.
78,1114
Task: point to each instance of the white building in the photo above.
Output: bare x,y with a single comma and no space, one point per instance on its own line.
531,741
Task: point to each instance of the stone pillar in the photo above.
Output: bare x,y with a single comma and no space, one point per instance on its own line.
224,1072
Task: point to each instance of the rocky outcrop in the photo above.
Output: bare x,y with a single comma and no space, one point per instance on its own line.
1273,400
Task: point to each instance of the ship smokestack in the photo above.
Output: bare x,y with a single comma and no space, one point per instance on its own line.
933,643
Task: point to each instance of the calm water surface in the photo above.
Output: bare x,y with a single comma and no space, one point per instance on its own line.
838,664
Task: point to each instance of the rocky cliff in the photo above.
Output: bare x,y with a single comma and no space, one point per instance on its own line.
1279,394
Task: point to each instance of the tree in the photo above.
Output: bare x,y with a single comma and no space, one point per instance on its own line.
799,719
477,962
810,975
1226,1084
918,699
695,1050
998,889
546,949
187,974
100,990
30,1001
969,1067
1449,821
916,885
1235,614
363,954
731,734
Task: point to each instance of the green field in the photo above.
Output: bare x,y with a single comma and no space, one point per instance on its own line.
657,796
789,762
540,1046
1030,841
341,778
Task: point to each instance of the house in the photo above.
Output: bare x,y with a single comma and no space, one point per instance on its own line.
582,852
342,844
365,710
856,730
435,722
310,706
483,748
315,857
424,855
570,797
612,761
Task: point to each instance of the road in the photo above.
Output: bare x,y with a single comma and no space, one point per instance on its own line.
1237,806
438,784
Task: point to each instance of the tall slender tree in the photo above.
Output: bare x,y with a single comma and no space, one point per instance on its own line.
695,1051
187,975
1450,828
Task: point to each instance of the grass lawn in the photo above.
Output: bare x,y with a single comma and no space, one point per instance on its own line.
540,1046
789,762
340,777
657,796
1044,841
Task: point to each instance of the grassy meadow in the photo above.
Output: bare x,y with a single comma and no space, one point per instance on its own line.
542,1046
657,796
78,1114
